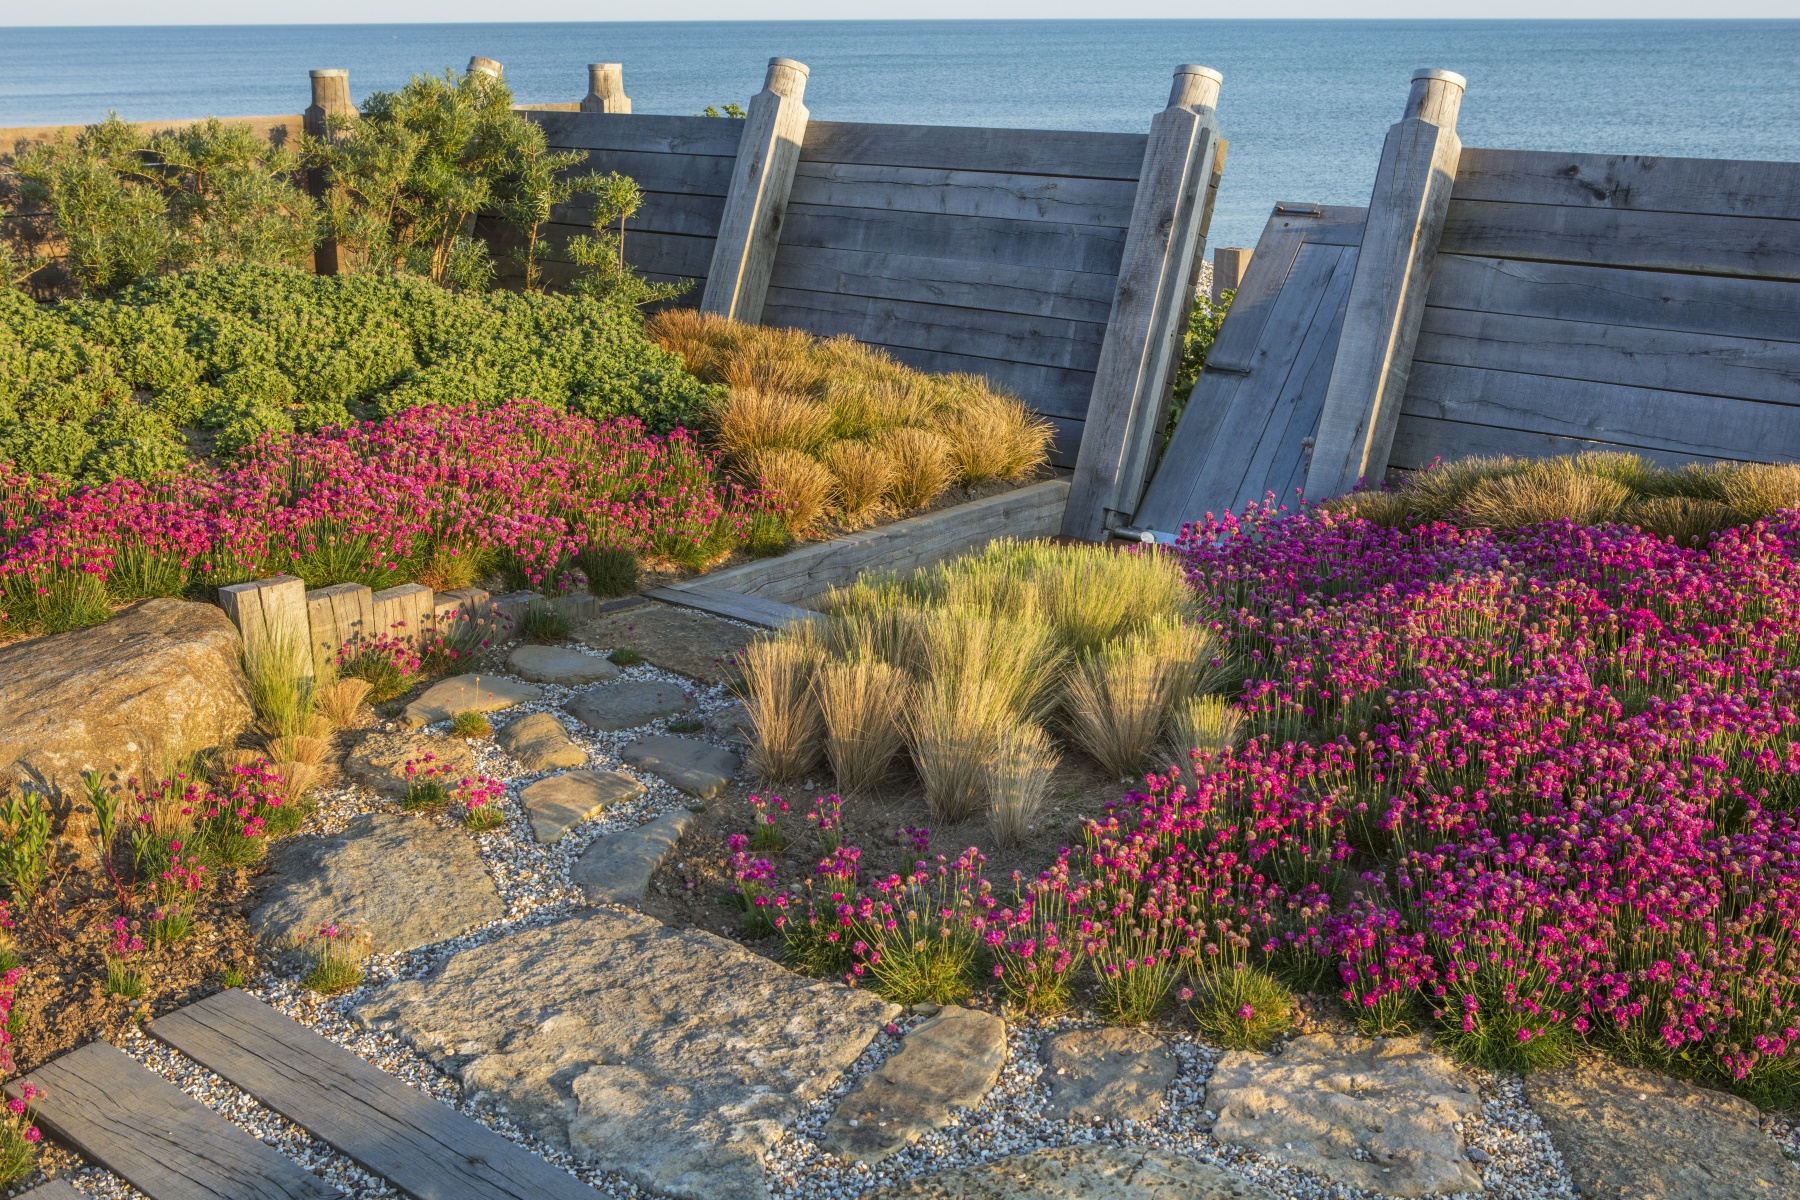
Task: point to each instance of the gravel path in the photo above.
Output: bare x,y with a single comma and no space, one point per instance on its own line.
533,884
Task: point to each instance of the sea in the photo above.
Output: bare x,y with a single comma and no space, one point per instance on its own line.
1305,103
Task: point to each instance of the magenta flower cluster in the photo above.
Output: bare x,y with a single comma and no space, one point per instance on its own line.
525,484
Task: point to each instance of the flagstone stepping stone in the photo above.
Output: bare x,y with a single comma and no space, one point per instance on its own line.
674,1057
378,762
617,868
627,705
403,880
540,743
1629,1133
1106,1075
560,665
467,693
675,639
1379,1114
697,768
561,802
949,1062
1084,1173
730,722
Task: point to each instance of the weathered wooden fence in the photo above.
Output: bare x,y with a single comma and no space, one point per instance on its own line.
1500,302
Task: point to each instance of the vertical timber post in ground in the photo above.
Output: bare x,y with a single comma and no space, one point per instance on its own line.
330,99
1387,297
737,282
271,616
1149,309
486,66
1229,265
606,89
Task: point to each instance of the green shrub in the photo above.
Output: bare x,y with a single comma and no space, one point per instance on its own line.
1241,1008
245,350
610,570
543,623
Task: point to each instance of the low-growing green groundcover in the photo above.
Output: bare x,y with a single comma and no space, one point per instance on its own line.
100,389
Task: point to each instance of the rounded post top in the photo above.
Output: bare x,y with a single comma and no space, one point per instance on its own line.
486,66
606,66
1195,87
1436,96
329,73
786,78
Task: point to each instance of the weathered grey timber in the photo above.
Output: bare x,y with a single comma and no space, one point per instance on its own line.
1150,307
338,616
56,1189
161,1140
1387,300
722,602
749,228
425,1149
1243,434
606,89
331,105
904,546
271,615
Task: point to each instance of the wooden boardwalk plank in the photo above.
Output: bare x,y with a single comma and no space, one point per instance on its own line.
163,1142
56,1189
1721,187
426,1149
723,602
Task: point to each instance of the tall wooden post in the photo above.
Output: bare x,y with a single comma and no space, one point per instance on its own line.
486,66
1387,297
606,89
750,228
1150,306
330,98
1229,265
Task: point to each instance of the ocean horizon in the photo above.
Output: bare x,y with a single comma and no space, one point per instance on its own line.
1304,106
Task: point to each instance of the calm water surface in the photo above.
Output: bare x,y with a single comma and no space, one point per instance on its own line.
1305,102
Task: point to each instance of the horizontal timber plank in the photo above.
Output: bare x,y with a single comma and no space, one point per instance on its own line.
56,1189
1642,418
1744,368
722,602
687,174
1749,247
1420,441
812,570
663,212
1722,187
962,148
1711,304
1060,246
654,253
962,282
1041,341
966,193
424,1148
642,132
162,1141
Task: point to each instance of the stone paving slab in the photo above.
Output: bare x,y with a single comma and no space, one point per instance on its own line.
561,802
378,761
675,639
696,767
674,1057
467,693
540,743
560,665
1111,1074
617,868
609,707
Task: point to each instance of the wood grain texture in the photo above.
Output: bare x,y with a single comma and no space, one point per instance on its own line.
960,282
722,602
427,1150
654,171
1152,300
271,616
1041,341
162,1141
749,229
1640,417
56,1189
1056,245
643,132
960,148
1707,363
1747,247
1720,187
904,546
663,212
966,193
1387,302
1419,441
1707,304
1280,241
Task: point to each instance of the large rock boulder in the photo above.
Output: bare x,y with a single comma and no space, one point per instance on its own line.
403,880
676,1058
1629,1134
1380,1114
135,694
1084,1173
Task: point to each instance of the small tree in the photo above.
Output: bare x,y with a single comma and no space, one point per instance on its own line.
601,254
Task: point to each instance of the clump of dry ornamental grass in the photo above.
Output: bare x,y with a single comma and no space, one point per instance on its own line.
799,487
784,712
1120,697
299,748
862,703
750,420
1756,491
1544,492
1388,509
1201,728
297,778
922,468
340,700
992,436
1682,519
1018,774
864,475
